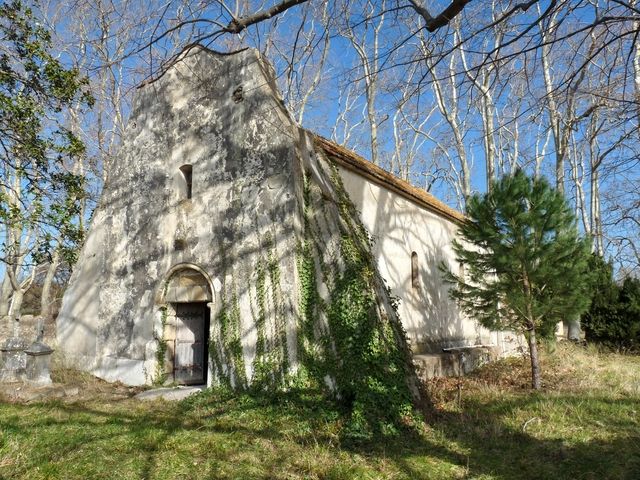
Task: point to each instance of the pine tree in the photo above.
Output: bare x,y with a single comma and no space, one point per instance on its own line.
526,267
601,322
630,300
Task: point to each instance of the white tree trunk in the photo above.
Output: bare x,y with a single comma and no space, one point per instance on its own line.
449,110
46,301
636,63
5,295
369,60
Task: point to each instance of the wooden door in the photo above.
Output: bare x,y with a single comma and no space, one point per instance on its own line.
191,337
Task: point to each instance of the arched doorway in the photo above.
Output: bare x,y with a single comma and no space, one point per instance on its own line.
187,298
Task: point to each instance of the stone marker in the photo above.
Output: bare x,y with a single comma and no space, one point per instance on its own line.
38,359
14,360
169,393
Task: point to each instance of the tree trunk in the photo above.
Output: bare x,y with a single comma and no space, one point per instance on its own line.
573,330
5,295
535,364
531,326
18,291
15,306
45,299
636,63
488,132
373,122
560,157
369,61
596,220
449,110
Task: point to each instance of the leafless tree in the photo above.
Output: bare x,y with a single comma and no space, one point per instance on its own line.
428,91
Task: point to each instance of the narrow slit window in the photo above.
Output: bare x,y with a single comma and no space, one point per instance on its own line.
187,175
415,275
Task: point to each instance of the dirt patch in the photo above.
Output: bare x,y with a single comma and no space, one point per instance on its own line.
68,386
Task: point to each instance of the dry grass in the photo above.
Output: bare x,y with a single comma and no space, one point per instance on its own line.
568,368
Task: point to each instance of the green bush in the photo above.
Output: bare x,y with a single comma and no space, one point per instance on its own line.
613,320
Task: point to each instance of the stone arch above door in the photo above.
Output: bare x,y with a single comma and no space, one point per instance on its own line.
186,283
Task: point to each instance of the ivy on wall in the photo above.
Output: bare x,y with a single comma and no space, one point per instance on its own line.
229,321
225,343
160,375
350,342
271,363
273,266
261,366
363,348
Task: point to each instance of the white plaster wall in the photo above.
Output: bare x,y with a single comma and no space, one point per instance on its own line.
399,227
77,323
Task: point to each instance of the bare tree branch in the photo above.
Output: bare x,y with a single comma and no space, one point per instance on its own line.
237,25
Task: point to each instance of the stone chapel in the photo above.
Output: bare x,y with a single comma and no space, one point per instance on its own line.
226,231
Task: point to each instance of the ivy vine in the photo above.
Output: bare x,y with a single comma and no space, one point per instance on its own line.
350,342
225,346
362,350
160,376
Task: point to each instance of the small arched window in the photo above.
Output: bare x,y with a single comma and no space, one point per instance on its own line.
187,177
415,274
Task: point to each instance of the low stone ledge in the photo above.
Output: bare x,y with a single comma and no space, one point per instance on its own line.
453,362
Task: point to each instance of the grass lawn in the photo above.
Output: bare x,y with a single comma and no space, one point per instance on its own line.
584,425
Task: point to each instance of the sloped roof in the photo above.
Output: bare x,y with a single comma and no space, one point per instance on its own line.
355,163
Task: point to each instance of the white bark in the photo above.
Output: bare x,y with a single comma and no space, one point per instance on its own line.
541,152
5,295
449,110
555,119
636,62
46,300
343,128
369,61
482,80
576,162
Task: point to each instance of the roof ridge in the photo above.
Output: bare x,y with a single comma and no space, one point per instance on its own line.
360,165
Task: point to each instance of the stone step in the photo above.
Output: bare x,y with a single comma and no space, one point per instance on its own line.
170,393
453,362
